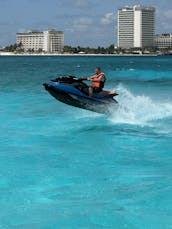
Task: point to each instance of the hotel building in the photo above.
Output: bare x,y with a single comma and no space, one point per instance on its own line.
50,41
136,27
163,41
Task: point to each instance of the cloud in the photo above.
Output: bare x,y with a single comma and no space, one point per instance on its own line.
81,24
166,27
88,30
107,19
81,4
168,14
163,21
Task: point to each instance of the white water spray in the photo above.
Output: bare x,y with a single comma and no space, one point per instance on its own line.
139,110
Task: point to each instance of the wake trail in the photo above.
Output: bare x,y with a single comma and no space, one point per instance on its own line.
138,109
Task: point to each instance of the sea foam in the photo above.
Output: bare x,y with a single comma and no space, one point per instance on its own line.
138,109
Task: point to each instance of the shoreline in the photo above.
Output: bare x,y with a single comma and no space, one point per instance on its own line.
69,54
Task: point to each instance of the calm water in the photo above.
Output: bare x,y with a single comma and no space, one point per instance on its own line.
62,167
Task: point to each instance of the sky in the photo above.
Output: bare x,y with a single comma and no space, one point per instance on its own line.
85,22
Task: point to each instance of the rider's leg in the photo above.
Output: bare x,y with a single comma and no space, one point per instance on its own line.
90,91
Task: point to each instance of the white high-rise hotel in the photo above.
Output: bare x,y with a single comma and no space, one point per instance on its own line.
136,27
50,41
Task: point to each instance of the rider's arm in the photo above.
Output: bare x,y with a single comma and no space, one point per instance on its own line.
90,78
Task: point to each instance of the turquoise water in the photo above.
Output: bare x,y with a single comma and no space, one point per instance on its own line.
62,167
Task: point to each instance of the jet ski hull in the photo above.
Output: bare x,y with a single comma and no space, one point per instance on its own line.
73,97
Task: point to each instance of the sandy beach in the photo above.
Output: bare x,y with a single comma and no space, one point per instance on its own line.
69,54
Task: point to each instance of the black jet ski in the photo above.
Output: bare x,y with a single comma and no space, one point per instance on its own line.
73,91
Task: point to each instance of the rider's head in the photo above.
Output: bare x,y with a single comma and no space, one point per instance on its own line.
97,70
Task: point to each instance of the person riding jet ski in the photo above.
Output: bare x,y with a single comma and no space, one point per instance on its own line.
73,91
98,82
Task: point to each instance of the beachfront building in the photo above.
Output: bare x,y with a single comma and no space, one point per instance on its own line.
53,41
163,41
31,40
50,41
136,27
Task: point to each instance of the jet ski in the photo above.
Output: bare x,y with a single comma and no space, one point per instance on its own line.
73,91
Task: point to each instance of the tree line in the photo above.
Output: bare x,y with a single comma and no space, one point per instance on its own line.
18,48
88,50
67,49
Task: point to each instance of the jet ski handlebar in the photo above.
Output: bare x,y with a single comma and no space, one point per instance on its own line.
82,79
69,79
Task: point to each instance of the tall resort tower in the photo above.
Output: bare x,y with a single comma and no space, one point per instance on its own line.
136,27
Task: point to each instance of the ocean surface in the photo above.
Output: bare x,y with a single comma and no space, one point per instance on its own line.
66,168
